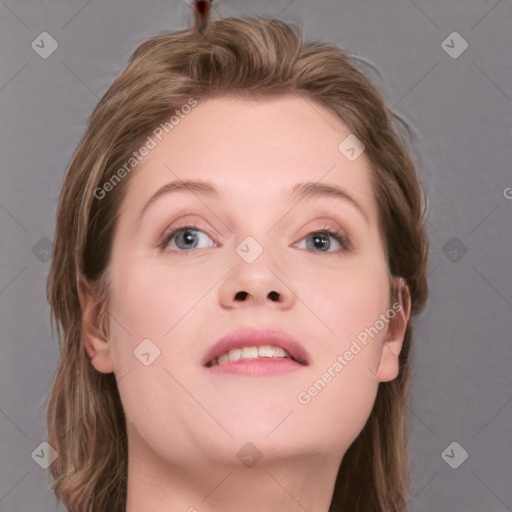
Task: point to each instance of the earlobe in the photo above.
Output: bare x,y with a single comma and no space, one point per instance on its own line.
388,366
93,335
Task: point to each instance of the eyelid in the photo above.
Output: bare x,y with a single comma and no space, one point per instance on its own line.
172,229
190,220
345,239
329,226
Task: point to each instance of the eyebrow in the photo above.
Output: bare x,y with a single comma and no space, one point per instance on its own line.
300,191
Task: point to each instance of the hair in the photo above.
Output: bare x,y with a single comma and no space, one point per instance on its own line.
251,58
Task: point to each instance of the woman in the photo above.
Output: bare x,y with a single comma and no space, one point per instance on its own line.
238,255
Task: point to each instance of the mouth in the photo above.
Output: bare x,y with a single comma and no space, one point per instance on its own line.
256,352
240,353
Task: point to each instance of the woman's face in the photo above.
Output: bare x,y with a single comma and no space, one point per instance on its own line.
182,293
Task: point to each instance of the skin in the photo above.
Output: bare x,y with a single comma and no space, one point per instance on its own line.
186,426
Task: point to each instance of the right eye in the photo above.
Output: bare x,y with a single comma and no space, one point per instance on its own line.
185,238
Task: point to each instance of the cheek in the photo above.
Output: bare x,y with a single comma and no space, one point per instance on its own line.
345,301
151,300
149,305
151,297
347,304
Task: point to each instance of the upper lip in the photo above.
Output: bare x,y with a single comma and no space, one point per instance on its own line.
249,337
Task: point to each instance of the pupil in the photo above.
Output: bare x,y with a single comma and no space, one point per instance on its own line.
189,235
320,239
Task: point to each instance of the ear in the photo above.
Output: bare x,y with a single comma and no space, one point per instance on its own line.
388,366
93,337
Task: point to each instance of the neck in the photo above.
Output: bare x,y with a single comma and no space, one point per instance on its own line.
203,484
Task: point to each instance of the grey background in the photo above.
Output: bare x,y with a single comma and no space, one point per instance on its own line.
461,109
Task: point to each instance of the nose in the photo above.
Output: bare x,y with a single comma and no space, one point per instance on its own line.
260,283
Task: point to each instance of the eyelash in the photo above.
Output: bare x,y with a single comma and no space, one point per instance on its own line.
334,232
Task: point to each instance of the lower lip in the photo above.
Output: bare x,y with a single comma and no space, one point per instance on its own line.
256,367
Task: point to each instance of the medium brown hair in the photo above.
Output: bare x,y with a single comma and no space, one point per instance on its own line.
257,58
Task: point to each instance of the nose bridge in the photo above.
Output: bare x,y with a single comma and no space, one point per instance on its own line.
259,274
254,221
258,258
259,244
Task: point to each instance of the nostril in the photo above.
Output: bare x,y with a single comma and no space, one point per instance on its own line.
241,296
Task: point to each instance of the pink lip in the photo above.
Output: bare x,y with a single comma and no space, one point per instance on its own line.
248,337
257,367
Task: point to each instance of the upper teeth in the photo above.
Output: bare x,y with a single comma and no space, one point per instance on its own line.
250,352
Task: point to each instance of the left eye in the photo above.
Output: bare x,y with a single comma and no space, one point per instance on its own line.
319,239
190,239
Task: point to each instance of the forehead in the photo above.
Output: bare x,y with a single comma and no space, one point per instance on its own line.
253,149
